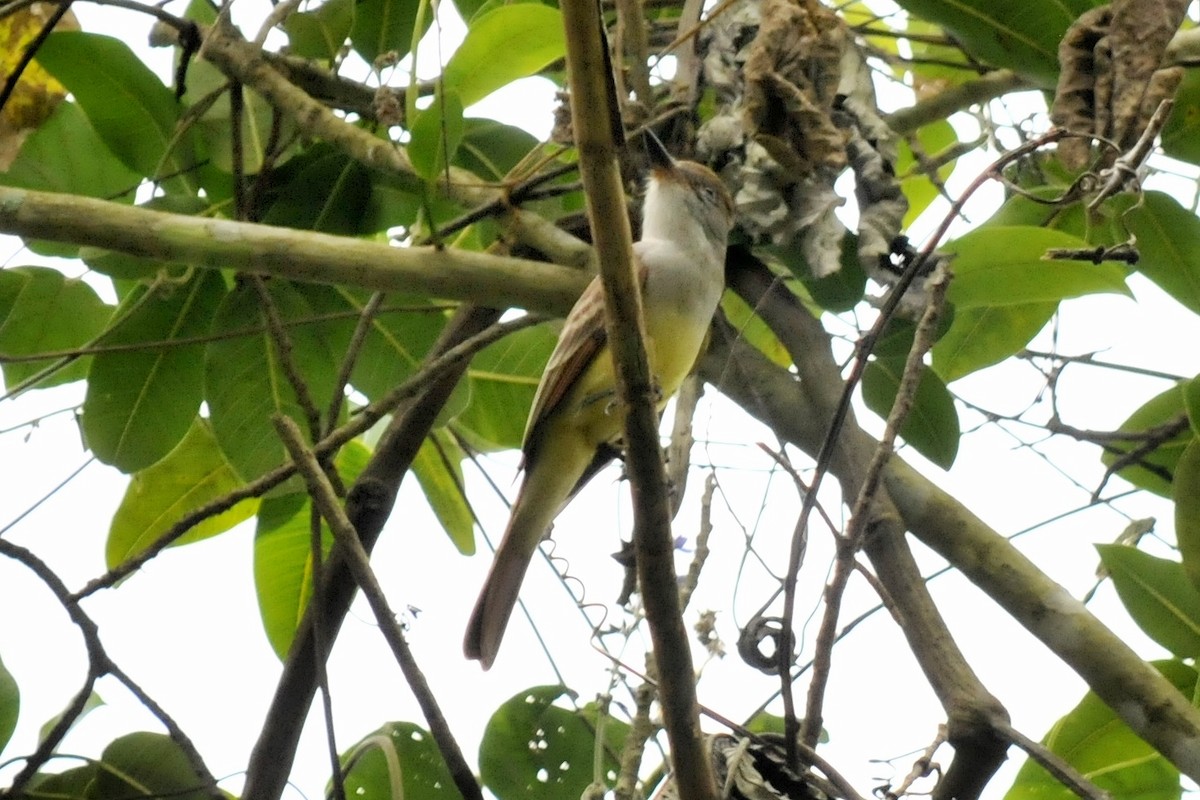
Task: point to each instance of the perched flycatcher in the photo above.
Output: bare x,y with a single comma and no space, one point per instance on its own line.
576,423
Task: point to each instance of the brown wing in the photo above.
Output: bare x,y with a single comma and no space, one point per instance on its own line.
583,337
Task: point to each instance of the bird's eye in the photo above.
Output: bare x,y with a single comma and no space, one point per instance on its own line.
709,194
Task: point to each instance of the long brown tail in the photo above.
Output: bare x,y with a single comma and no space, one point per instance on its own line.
545,489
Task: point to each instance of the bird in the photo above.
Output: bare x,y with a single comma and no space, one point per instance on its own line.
575,423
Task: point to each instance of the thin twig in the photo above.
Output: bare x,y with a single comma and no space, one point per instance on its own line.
363,421
326,501
862,510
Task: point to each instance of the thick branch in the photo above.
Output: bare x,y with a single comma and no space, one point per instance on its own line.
288,253
1149,704
592,122
368,507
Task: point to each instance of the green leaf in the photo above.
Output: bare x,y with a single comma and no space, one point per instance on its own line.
192,475
1104,750
1191,402
980,337
398,760
320,34
399,336
438,467
839,291
1168,239
146,765
215,127
1186,493
41,310
1181,135
501,46
436,135
10,705
283,566
93,701
932,424
1154,470
140,403
503,378
64,154
245,381
71,784
1006,33
126,103
1158,595
491,149
916,184
534,750
1001,266
385,26
323,190
751,328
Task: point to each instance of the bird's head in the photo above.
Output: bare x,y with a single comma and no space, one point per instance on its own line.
683,191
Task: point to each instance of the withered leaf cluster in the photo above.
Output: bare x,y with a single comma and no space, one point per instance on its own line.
794,108
1112,75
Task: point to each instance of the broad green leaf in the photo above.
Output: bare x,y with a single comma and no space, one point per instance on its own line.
1168,239
1003,266
1104,750
980,337
1104,226
283,566
399,337
141,402
1017,34
535,750
438,467
750,327
146,765
246,383
193,474
398,760
93,701
1154,470
320,34
1191,402
41,311
323,190
215,126
1158,595
10,705
501,46
385,26
916,184
65,155
840,291
1186,493
503,378
436,135
491,149
130,108
1181,135
932,424
71,784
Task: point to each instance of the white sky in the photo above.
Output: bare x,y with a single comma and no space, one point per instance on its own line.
187,625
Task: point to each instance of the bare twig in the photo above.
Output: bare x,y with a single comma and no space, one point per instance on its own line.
344,532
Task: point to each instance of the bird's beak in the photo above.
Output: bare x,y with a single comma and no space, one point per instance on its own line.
660,159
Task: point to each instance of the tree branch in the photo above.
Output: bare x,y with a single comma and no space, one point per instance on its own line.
592,121
288,253
368,506
358,562
1147,702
